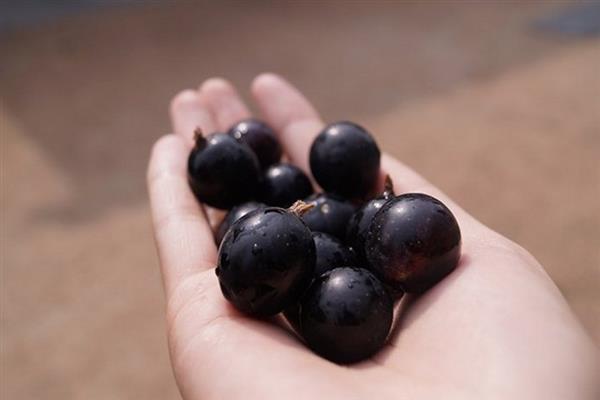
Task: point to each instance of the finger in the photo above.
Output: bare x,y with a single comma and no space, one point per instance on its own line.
189,111
405,179
290,114
223,102
183,236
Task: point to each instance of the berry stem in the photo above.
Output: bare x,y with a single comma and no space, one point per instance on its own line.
388,187
299,208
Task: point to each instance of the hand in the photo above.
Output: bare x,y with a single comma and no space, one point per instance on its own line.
497,327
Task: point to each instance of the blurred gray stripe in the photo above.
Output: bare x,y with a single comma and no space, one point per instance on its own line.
580,20
25,13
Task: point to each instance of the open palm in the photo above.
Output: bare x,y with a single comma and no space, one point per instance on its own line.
497,327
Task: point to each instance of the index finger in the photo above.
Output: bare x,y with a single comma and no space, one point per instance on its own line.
290,114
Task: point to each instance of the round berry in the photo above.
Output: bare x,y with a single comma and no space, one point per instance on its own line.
233,215
266,261
346,315
358,226
413,242
344,159
331,253
283,184
260,138
330,214
221,171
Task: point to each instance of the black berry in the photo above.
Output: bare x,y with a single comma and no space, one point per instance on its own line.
330,214
221,171
283,184
346,315
233,215
260,138
358,225
413,242
266,260
331,253
344,159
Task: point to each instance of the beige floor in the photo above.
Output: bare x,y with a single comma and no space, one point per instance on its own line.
499,115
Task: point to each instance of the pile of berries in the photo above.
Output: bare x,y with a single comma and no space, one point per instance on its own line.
335,262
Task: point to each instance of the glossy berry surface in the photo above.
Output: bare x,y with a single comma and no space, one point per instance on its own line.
346,315
283,184
413,242
330,214
222,172
233,215
260,138
344,159
331,253
358,225
266,260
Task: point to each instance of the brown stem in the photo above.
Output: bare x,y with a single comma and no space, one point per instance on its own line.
300,208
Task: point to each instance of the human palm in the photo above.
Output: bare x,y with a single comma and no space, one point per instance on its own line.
497,327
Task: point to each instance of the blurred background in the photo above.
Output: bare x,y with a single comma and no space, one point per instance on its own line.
498,103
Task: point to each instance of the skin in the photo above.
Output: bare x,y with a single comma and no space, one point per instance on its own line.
496,328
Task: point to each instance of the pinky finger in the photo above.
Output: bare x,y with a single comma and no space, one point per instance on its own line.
183,235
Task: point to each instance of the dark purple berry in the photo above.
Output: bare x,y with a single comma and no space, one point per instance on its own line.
344,159
261,139
358,226
266,261
331,253
413,242
283,184
346,315
330,214
221,171
233,215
